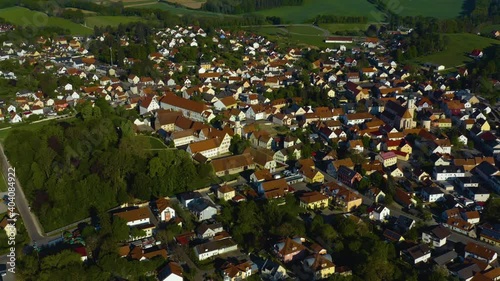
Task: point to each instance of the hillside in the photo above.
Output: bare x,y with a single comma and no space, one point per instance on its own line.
26,17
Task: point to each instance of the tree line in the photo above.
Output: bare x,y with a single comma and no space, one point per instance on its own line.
339,19
246,6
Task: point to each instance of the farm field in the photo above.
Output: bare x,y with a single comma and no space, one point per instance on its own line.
459,46
109,20
312,8
26,17
429,8
85,12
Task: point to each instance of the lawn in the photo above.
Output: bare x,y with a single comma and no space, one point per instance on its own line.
110,20
459,46
312,8
26,17
428,8
154,142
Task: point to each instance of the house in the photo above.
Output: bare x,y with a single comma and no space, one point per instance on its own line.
342,196
442,173
490,234
233,164
164,209
148,104
214,248
171,272
476,54
313,200
461,226
261,175
387,158
477,251
135,216
273,271
379,213
472,217
405,223
376,195
202,209
436,235
191,109
404,198
417,254
321,266
348,176
237,272
225,103
225,193
312,175
273,188
290,249
432,194
206,231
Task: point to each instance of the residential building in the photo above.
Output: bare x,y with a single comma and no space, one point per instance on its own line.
171,272
436,235
135,216
225,193
480,252
321,266
164,209
232,164
313,200
214,248
290,249
417,254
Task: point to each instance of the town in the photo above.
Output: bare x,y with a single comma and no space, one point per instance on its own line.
317,149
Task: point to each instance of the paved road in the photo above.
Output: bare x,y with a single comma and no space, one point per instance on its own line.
30,220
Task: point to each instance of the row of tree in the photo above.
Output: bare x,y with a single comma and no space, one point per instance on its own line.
246,6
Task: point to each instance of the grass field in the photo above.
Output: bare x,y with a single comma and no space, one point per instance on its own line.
178,10
459,46
338,27
26,17
312,8
301,35
109,20
428,8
